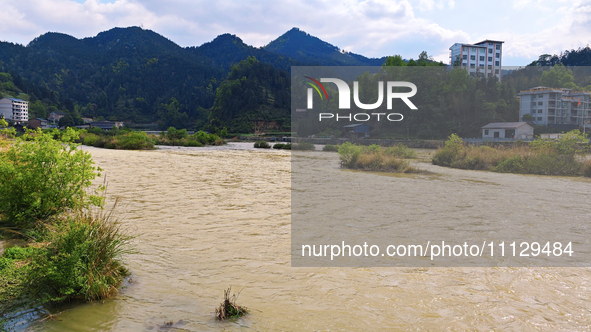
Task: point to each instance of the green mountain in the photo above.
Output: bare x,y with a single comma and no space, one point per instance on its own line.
305,48
139,76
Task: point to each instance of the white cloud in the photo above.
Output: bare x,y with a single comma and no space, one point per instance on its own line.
369,27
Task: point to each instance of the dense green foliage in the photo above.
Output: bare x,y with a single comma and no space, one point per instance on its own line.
41,99
253,91
375,158
544,157
558,76
72,253
14,271
578,57
41,177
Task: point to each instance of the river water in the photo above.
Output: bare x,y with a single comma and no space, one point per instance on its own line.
210,218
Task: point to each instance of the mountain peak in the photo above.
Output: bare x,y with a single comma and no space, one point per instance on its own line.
306,48
226,37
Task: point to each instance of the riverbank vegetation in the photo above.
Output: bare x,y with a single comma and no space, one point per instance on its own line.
567,156
283,146
262,145
46,198
125,139
304,146
376,158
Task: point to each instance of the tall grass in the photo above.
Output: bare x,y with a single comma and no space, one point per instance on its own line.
543,157
376,158
83,260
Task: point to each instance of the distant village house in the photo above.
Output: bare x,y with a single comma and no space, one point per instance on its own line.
37,123
356,131
54,117
508,130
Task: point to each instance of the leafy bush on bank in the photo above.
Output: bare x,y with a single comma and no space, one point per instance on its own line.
73,254
41,177
262,145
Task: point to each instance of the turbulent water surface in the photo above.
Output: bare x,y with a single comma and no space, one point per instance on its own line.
210,218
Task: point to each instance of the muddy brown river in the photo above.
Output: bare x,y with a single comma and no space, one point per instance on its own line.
210,218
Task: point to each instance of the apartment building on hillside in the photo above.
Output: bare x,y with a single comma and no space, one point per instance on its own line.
15,110
483,59
549,106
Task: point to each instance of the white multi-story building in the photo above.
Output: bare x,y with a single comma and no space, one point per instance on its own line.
15,110
550,106
483,59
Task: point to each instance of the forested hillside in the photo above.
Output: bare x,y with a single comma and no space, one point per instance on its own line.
253,91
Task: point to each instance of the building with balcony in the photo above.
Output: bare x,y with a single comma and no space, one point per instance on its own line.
15,110
483,59
550,106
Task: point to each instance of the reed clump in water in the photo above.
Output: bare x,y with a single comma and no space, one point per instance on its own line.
229,309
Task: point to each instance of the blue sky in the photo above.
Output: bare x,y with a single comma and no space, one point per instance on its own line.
372,27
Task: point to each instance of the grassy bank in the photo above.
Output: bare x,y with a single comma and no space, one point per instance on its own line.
377,159
567,156
45,198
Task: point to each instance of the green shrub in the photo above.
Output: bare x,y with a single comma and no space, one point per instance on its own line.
137,140
348,153
278,146
193,143
262,145
176,134
205,138
90,139
330,148
82,261
44,177
400,151
454,149
287,146
514,164
303,146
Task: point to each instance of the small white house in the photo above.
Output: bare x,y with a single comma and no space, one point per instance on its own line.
508,130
